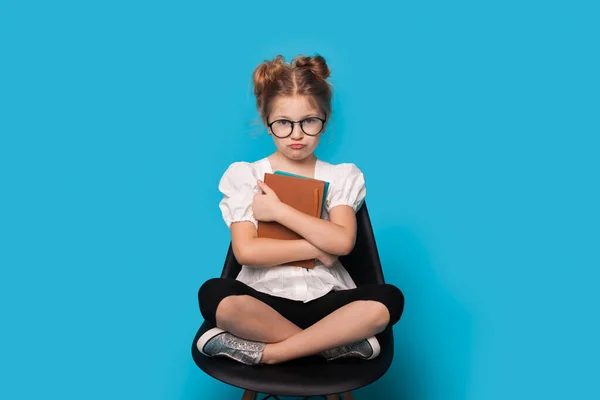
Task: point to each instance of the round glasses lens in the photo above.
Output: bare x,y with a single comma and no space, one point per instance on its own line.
282,127
312,126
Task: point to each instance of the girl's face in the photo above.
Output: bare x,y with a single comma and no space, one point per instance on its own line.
298,145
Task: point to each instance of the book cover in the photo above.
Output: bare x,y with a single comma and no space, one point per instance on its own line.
306,177
304,194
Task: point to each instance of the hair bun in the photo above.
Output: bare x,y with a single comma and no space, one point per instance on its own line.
267,72
316,64
304,76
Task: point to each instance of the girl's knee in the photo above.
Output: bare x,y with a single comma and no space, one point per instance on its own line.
211,293
209,288
379,313
395,294
232,309
390,297
232,305
394,299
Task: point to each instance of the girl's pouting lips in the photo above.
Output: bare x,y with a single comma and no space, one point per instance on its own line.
296,146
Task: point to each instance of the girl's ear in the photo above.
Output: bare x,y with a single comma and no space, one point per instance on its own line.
266,126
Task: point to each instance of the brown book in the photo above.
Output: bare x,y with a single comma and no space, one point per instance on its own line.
305,195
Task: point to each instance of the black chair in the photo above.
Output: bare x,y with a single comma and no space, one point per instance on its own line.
312,375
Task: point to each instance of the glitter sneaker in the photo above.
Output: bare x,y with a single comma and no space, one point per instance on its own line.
367,349
218,342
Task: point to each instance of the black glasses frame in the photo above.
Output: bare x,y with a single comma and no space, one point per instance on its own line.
301,126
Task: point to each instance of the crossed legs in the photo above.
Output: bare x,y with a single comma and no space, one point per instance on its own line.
292,329
252,319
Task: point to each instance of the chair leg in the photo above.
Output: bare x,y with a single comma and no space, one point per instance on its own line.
249,395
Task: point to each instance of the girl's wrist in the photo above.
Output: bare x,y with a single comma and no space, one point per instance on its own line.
314,251
280,212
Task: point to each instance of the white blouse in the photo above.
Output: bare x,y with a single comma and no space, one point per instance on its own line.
238,185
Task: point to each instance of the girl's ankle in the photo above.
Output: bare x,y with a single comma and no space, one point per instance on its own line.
269,355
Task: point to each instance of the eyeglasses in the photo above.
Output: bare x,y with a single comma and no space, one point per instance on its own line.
283,128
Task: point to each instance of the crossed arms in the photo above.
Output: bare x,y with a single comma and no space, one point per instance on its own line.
323,240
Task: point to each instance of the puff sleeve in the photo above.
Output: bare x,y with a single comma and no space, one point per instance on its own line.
347,187
238,186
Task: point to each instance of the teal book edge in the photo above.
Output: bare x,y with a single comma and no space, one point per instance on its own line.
305,177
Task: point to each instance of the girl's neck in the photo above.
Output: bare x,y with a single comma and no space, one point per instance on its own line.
303,167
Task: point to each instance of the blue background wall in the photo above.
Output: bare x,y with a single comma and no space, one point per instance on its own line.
476,126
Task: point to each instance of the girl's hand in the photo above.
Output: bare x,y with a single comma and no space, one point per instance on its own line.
327,259
265,206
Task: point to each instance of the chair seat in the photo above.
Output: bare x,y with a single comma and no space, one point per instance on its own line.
308,376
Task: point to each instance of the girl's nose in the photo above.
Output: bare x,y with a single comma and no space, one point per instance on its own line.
297,132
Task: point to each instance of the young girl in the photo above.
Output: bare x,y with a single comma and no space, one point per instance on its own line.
271,314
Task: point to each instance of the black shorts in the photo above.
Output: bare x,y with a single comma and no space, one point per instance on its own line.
301,314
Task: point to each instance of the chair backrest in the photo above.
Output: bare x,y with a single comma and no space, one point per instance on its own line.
362,263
